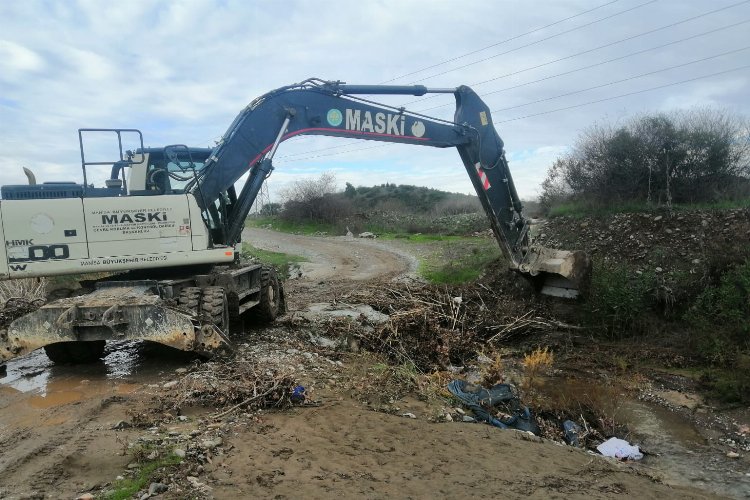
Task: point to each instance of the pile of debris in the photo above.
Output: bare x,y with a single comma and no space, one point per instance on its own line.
15,307
435,327
660,241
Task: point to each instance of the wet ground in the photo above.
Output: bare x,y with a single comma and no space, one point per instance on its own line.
56,436
682,453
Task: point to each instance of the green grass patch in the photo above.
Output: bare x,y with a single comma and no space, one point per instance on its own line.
126,488
459,260
285,226
422,238
579,209
284,262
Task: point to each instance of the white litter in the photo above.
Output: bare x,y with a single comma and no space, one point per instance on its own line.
620,449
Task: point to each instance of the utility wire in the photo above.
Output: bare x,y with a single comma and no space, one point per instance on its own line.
505,41
348,144
583,26
549,111
549,62
625,79
577,69
496,43
621,95
338,152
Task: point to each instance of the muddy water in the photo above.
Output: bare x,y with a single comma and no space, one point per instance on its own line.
125,366
678,452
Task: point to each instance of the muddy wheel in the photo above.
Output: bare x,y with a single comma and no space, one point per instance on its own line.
190,298
75,352
270,296
214,305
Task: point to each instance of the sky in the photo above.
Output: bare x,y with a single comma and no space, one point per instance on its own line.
180,71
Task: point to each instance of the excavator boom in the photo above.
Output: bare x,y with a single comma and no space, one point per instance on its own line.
318,107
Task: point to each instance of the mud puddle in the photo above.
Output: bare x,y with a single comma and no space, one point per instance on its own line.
679,453
42,384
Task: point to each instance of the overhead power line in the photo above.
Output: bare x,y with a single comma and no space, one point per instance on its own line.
286,157
583,26
622,95
497,43
565,108
625,79
564,73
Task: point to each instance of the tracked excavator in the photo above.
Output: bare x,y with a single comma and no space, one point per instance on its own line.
165,227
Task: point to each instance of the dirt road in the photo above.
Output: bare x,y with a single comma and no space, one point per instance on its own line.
66,430
334,265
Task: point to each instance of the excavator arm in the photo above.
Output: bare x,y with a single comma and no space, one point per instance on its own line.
317,107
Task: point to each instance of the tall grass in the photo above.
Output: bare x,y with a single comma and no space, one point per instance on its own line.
27,288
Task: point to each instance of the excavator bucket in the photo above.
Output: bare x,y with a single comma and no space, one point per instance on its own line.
558,273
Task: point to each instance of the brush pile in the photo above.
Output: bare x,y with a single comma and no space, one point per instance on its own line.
246,383
437,326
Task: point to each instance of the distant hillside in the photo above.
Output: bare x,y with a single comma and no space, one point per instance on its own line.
410,199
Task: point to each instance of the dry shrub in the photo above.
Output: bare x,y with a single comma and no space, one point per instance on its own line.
494,372
29,289
19,297
535,364
243,383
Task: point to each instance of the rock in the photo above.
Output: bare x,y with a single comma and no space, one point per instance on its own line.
658,269
460,411
408,415
658,218
210,444
171,384
122,424
467,418
153,455
181,371
133,465
119,478
448,417
145,496
182,418
179,453
696,261
367,234
85,496
733,454
157,488
668,231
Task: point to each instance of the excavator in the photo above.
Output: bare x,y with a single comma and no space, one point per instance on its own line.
165,226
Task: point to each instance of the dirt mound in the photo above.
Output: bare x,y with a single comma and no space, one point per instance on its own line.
698,242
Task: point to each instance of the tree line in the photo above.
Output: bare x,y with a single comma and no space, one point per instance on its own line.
695,156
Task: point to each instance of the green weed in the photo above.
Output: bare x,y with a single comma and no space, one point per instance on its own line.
579,209
460,260
619,299
722,316
126,488
285,226
284,262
